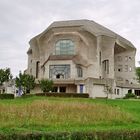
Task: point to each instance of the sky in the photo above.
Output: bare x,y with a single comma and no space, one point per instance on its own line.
20,20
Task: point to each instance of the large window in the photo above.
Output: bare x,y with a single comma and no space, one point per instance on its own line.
64,47
59,71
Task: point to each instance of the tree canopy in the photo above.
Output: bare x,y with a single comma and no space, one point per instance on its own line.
46,85
25,82
5,75
138,73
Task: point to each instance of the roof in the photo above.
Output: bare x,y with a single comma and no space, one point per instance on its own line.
90,26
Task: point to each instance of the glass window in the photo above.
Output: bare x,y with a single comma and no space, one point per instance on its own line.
106,66
79,71
64,47
59,71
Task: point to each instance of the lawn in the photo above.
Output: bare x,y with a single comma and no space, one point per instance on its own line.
46,114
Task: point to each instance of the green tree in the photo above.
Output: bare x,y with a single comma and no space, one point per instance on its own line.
138,73
25,82
46,85
5,75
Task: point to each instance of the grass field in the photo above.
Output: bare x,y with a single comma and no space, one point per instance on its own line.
68,114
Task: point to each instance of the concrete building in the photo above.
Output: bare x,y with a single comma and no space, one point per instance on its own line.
81,56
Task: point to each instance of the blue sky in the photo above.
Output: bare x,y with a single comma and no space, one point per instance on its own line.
20,20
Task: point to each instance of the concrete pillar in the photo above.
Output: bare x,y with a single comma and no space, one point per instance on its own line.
78,88
58,89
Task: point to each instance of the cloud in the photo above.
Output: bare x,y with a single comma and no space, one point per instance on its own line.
23,19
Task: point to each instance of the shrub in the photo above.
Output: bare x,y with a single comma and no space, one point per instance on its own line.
114,135
46,85
6,96
129,95
83,95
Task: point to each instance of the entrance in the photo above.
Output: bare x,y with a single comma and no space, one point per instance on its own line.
62,89
81,88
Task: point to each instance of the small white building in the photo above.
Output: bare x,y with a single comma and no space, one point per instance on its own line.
9,87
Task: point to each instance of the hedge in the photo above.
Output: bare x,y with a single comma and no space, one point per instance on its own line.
6,96
114,135
82,95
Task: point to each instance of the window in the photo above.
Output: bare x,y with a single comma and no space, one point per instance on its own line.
79,71
63,89
115,90
59,71
55,89
126,68
127,81
106,66
120,68
119,58
119,79
100,57
118,91
130,69
64,47
130,58
37,68
126,58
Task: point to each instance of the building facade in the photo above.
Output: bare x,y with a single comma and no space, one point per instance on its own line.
81,56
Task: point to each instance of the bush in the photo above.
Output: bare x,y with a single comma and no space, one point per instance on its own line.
129,95
114,135
82,95
27,95
6,96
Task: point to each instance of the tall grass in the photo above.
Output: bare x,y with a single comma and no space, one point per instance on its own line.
55,114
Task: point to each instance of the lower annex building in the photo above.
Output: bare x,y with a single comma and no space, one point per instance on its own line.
81,56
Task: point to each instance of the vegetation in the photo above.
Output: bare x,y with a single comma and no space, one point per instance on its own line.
5,75
6,96
129,95
113,135
63,95
46,85
68,114
52,118
25,82
138,73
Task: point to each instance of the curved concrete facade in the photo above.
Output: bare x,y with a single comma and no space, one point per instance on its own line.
100,61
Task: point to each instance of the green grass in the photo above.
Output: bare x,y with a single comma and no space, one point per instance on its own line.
68,114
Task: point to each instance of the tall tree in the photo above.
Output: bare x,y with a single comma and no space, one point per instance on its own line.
46,85
25,82
138,73
5,75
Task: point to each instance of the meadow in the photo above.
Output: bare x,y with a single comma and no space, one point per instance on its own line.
47,114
